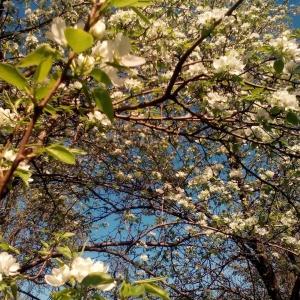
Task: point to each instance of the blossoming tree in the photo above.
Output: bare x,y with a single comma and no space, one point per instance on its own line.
149,149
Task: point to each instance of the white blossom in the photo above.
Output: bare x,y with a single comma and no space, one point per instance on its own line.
82,267
283,99
7,118
97,115
84,64
98,30
8,264
59,276
231,63
285,46
144,257
57,33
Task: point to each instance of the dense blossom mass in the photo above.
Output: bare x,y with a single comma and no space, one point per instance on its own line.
158,137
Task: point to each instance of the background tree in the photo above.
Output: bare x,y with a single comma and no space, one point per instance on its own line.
186,145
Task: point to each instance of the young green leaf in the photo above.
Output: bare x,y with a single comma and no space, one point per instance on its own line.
14,289
156,290
24,175
4,246
136,291
257,91
43,69
278,66
78,39
37,56
96,278
101,76
140,14
122,3
65,251
12,76
150,280
67,235
103,102
292,118
61,153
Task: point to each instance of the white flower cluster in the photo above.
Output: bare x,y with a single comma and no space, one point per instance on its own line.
259,133
8,265
98,116
286,47
116,50
80,268
144,257
238,222
283,99
196,69
10,156
215,100
7,118
230,63
207,15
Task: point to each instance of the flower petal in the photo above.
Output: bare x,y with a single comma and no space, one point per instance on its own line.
132,61
106,287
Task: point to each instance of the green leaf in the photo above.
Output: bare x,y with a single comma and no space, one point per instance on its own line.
14,289
125,288
78,39
11,248
140,14
12,76
67,235
150,280
278,66
49,109
43,69
128,290
87,94
275,111
292,118
96,278
257,91
61,153
156,290
122,3
101,76
96,296
4,246
24,175
41,92
103,102
266,49
65,251
141,3
37,56
136,291
45,244
66,294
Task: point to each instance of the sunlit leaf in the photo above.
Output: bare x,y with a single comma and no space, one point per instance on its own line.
35,57
140,14
78,39
12,76
43,69
61,153
103,102
156,290
96,278
101,76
